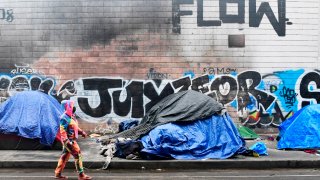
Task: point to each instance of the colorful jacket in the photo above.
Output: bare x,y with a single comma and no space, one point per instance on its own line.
69,128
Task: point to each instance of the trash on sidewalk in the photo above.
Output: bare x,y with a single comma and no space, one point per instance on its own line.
302,130
108,151
94,135
260,148
247,152
107,127
313,151
32,115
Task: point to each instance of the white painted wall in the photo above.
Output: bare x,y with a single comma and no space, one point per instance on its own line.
264,50
318,66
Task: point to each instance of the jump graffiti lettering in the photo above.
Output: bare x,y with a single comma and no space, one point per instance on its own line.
255,16
136,97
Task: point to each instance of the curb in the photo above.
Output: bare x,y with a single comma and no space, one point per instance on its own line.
172,164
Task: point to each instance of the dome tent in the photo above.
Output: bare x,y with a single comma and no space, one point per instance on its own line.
31,115
302,130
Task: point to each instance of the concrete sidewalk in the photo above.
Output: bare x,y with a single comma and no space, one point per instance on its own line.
92,160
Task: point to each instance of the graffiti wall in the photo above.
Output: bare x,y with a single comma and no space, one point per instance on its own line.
118,58
258,100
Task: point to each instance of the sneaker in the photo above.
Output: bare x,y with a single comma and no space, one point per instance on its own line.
83,176
59,176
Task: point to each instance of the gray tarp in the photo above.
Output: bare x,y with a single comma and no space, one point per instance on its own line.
182,106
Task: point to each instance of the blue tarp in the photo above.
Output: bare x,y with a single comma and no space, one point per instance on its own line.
31,114
215,137
302,130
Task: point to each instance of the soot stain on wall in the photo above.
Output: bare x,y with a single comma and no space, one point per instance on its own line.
62,26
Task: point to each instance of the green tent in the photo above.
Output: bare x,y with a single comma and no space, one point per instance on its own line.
247,133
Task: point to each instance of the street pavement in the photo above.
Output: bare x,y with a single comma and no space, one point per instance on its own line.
159,174
92,160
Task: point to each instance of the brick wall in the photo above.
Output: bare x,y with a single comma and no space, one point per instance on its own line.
117,58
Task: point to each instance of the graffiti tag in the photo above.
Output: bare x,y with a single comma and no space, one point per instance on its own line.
255,16
6,14
216,70
289,96
24,69
153,74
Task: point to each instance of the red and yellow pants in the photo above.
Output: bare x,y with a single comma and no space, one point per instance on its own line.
70,149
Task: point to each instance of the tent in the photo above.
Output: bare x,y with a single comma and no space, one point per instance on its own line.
182,106
185,125
247,133
215,137
302,130
31,115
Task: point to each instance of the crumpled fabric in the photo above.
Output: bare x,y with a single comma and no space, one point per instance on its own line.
108,151
124,149
111,148
128,124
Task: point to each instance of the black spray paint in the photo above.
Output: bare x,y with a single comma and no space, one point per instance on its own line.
255,16
307,93
225,89
136,90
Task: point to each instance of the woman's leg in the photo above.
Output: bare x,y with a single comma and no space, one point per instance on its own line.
76,153
62,163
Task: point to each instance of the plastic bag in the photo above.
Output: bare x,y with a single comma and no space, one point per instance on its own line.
260,148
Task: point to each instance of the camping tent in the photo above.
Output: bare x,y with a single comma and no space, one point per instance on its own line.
302,130
182,106
32,115
215,137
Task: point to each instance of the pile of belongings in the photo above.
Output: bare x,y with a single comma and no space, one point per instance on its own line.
302,130
30,120
184,125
